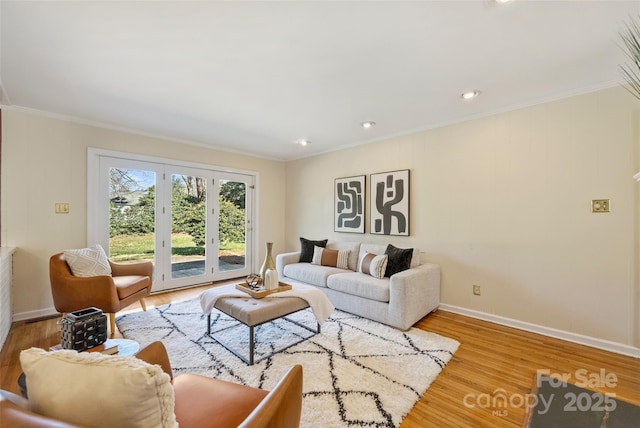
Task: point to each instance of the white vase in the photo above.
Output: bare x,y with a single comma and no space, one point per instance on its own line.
271,279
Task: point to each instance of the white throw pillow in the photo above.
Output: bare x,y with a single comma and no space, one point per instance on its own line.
87,262
374,265
90,388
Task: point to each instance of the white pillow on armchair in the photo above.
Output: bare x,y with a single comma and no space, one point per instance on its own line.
86,262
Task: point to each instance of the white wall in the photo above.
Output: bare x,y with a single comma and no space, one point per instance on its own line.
45,161
504,202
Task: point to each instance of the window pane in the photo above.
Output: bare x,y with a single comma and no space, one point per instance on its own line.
132,195
188,225
232,225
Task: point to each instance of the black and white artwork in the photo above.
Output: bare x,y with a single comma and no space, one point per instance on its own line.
349,204
390,203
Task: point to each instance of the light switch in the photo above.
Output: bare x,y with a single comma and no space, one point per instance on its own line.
62,208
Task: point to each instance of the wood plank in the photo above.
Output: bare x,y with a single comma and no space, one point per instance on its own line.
492,358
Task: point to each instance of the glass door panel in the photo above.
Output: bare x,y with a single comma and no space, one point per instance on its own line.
188,226
232,225
132,214
192,223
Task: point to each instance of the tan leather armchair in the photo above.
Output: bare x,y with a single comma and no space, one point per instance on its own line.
129,283
205,402
200,402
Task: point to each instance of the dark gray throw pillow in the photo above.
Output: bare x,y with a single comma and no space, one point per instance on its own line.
306,249
399,259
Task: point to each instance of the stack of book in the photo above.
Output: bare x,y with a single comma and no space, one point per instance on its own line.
109,347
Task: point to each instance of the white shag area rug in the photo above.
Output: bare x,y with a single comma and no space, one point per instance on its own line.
357,372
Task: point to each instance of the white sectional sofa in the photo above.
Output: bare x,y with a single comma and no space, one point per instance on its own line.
399,301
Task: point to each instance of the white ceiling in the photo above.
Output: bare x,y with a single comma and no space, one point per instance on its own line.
254,77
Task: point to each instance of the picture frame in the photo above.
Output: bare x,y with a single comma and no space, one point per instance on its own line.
349,204
389,203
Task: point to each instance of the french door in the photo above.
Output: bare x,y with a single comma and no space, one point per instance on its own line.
193,223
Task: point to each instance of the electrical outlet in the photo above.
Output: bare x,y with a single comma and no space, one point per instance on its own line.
600,205
476,290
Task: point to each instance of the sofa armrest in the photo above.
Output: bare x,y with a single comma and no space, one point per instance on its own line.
286,259
413,293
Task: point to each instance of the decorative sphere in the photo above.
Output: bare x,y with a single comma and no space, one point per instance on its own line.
253,280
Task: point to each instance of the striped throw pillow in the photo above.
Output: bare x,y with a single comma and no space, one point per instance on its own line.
327,257
374,265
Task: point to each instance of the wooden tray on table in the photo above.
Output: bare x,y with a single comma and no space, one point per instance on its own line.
261,292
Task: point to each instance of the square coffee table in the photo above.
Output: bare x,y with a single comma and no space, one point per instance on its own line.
254,312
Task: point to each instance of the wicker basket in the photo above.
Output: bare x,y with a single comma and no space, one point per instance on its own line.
83,329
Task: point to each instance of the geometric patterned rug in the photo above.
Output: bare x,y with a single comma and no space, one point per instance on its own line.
357,372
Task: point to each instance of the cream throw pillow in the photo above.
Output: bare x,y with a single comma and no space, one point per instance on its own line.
374,265
87,262
90,388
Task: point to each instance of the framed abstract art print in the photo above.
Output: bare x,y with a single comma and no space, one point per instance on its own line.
349,204
390,203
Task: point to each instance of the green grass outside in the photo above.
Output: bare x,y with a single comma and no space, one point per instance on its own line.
141,247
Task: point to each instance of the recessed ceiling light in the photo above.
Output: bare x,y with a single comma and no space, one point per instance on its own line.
368,124
470,94
303,142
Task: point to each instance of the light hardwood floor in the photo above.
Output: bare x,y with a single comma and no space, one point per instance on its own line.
491,360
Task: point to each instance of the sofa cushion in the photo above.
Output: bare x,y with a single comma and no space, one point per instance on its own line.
399,259
415,259
374,265
329,257
309,273
128,285
361,285
354,254
306,248
372,248
94,389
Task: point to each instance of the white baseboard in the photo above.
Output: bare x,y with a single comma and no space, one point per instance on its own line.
618,348
29,315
